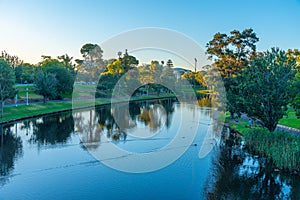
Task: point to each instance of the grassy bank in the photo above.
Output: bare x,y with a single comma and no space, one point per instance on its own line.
22,111
290,120
282,148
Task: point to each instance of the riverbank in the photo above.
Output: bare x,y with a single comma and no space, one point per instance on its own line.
282,147
13,113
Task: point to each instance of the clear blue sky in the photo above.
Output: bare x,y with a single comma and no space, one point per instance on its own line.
31,28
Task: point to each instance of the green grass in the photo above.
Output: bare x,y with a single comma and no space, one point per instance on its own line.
11,113
14,113
31,94
81,91
290,120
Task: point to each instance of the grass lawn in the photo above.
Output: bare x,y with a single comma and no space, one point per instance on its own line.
22,111
11,113
290,120
31,94
81,91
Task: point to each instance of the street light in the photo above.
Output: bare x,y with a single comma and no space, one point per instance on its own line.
195,65
195,72
16,100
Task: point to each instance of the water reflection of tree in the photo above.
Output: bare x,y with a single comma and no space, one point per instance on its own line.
52,129
168,104
10,150
108,123
142,111
114,121
205,101
233,179
88,128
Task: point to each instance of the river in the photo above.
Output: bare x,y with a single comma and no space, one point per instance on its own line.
159,149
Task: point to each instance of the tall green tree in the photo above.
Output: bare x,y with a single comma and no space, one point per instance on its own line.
266,87
92,65
7,81
231,54
195,78
65,79
113,72
46,85
91,51
25,73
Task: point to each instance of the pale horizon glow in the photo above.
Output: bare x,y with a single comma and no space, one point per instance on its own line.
32,28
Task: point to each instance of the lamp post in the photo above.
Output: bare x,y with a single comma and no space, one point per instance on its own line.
16,100
27,96
195,72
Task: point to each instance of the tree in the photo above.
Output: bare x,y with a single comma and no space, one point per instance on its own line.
65,79
93,64
67,62
25,73
231,54
296,93
91,51
266,87
295,54
128,61
7,81
114,70
46,85
13,61
195,77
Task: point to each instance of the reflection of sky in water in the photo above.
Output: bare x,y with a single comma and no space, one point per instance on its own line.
250,166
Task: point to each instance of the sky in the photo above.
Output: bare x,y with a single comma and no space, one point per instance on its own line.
31,28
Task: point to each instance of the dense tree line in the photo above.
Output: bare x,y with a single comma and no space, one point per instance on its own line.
260,84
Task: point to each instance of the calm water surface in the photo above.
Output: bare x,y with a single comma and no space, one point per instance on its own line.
50,158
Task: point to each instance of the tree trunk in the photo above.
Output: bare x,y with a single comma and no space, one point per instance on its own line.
231,114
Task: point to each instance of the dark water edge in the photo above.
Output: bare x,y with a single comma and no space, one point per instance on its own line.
240,173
